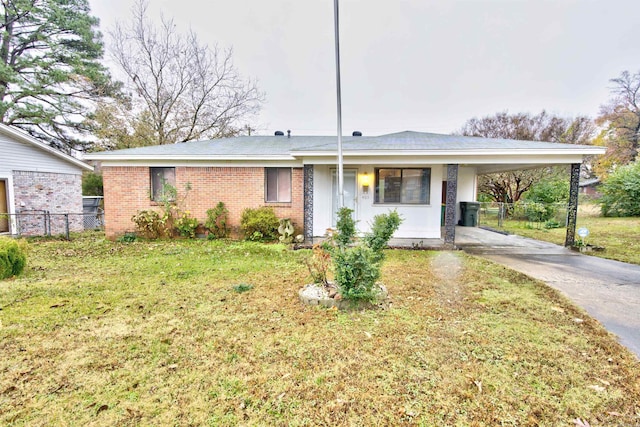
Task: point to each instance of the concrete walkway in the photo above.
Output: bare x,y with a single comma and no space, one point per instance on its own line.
608,290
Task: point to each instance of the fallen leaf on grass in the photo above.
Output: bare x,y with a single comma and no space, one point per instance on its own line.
579,423
102,408
596,388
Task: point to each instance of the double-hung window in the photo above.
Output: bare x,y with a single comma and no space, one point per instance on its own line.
160,178
277,185
403,186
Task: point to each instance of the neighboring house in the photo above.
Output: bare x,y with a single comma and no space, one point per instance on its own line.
296,175
36,179
590,186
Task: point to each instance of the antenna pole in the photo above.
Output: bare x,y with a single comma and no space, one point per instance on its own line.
339,100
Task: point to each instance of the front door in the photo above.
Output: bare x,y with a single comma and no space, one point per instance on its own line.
350,190
4,219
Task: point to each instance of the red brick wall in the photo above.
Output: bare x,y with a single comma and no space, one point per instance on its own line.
127,189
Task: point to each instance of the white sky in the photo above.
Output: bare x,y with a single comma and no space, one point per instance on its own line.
422,65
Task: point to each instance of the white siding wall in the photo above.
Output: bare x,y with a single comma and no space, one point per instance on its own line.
420,221
18,156
467,187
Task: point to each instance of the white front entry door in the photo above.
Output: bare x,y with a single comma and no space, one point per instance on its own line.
350,189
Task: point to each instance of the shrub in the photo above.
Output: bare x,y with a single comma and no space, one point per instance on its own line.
186,225
150,224
216,221
259,224
13,257
356,268
318,264
621,192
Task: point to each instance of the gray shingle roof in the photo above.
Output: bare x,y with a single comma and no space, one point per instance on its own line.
284,146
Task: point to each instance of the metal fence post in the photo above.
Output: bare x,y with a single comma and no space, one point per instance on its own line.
66,226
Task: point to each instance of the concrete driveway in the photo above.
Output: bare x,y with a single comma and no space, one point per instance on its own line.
608,290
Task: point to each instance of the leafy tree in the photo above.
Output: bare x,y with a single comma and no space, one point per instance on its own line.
92,184
621,191
621,120
182,89
50,68
509,187
553,190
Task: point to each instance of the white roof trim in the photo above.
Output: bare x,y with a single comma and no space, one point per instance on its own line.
193,157
26,138
475,152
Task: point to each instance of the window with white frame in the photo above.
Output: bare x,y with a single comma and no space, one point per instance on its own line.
160,177
277,185
403,186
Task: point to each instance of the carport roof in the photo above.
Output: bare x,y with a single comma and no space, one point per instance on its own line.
401,144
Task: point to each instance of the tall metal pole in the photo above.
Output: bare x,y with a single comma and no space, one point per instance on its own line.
339,99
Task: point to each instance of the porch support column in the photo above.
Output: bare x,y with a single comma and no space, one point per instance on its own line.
308,203
572,208
450,207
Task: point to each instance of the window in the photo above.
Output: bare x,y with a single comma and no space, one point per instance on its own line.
160,177
277,184
403,186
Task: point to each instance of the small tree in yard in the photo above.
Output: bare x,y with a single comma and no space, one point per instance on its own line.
621,192
357,266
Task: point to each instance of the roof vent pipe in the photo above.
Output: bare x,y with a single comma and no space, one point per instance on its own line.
356,133
288,134
279,133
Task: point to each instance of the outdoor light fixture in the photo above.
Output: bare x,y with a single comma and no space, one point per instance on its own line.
364,180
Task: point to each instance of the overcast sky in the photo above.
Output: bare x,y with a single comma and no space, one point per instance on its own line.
422,65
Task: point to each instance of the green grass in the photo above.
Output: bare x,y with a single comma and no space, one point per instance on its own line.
156,333
619,236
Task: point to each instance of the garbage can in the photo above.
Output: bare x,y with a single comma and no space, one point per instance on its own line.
469,214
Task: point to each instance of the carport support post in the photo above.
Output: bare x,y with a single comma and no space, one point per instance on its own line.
450,207
572,208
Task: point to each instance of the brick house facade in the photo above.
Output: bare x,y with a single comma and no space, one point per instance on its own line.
38,186
127,190
410,172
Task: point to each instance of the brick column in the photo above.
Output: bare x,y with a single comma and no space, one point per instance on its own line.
572,208
450,209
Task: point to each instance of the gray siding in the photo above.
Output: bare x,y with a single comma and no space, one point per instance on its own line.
18,156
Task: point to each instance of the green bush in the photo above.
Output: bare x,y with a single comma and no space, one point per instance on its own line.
260,224
13,257
216,221
356,268
150,224
621,192
186,225
92,184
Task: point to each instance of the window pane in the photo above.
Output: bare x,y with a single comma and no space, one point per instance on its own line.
284,185
278,184
388,186
160,177
415,186
409,186
272,184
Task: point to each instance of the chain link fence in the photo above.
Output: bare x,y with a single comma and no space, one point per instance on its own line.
45,223
529,214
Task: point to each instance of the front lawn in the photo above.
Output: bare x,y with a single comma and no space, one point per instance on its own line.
160,333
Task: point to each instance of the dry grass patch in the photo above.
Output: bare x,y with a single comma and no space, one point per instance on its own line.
101,333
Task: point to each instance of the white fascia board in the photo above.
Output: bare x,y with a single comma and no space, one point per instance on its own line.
186,157
582,151
203,163
463,160
28,139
